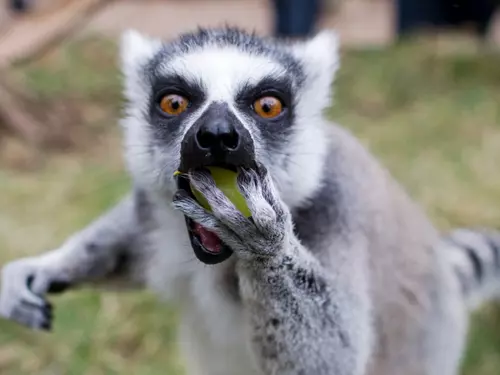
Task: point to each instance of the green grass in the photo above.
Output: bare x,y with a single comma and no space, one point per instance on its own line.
433,120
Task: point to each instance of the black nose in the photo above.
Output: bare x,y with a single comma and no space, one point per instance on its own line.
218,136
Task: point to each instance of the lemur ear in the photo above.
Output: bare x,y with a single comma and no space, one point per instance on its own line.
320,58
136,49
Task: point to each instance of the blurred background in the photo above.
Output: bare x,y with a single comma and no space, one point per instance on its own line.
419,84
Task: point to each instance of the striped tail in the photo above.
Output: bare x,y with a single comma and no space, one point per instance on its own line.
475,254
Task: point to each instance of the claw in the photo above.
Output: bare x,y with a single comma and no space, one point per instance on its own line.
46,326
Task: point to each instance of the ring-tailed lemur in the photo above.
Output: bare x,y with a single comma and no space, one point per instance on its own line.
337,272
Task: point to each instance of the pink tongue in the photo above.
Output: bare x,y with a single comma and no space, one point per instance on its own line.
208,239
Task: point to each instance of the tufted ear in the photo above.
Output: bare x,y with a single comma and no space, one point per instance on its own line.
320,58
136,50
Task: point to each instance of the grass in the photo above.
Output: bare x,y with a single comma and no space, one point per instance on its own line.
433,119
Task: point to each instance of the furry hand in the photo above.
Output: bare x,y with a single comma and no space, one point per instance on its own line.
264,234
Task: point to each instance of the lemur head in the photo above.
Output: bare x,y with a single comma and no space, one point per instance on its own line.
226,97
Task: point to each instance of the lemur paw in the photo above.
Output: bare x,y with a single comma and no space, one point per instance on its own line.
269,227
24,285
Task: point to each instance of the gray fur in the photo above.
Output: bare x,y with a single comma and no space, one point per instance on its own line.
103,251
475,254
289,297
248,43
338,271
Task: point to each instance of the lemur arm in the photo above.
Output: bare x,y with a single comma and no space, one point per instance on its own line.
102,253
301,321
303,318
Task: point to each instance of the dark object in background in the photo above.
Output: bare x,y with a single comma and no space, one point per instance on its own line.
416,14
295,18
19,6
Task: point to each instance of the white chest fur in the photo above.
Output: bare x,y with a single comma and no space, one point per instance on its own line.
213,336
213,333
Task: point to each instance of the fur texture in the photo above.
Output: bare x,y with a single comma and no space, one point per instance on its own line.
338,272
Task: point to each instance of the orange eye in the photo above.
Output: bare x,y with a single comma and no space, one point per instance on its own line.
268,107
173,104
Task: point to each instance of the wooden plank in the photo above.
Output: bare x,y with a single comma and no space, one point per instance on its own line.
30,36
15,119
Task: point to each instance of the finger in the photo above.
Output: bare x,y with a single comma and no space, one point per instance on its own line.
269,190
189,207
32,316
222,208
262,213
39,283
192,209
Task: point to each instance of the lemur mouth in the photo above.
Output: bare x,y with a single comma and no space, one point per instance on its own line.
207,246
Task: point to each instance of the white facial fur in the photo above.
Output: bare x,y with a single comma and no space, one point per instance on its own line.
222,70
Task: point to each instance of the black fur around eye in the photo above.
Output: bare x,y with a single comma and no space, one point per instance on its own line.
173,95
269,99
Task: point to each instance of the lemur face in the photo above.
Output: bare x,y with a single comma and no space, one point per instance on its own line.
226,98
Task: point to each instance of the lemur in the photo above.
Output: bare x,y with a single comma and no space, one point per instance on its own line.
336,272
